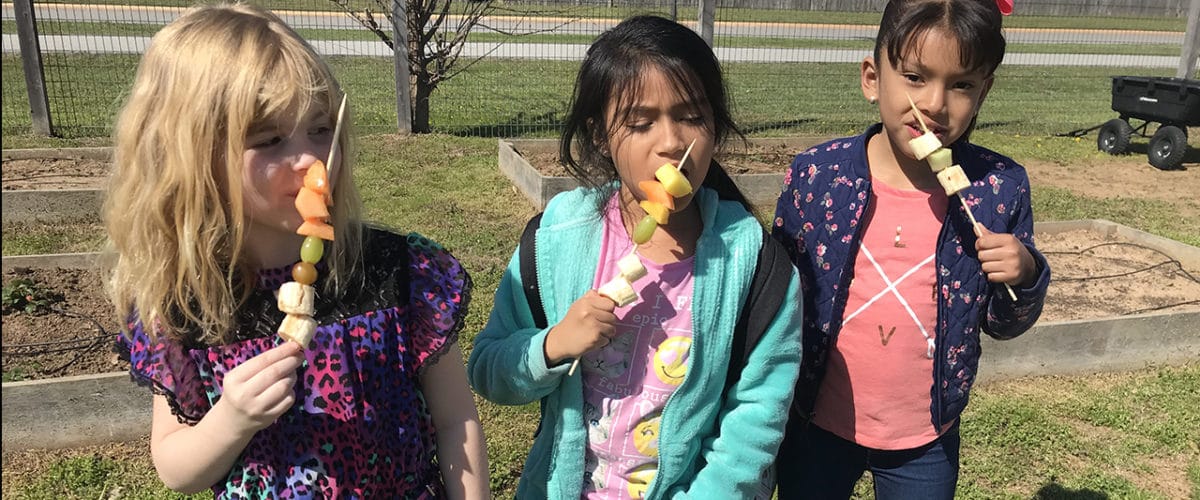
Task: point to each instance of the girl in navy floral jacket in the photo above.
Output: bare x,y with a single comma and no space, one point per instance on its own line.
897,280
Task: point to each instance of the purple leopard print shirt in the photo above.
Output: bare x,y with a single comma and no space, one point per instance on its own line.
360,428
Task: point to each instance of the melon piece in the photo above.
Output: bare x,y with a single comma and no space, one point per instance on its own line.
659,212
924,145
953,180
315,227
940,160
311,204
673,181
657,193
316,178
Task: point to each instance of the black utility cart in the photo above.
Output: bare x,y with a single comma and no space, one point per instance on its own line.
1174,103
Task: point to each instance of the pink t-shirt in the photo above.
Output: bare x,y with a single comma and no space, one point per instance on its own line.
627,383
879,374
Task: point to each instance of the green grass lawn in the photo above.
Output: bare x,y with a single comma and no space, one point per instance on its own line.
528,98
1019,438
131,29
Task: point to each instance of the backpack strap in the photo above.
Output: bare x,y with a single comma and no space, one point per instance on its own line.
528,262
772,273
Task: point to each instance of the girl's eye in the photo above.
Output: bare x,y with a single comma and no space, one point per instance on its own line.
964,85
322,130
639,126
265,142
694,119
912,77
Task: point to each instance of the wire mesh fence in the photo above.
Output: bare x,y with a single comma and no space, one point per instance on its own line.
792,65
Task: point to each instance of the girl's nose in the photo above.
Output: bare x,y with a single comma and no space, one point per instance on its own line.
672,142
933,100
303,160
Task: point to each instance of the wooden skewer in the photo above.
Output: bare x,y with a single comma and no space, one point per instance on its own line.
975,227
917,112
337,133
685,155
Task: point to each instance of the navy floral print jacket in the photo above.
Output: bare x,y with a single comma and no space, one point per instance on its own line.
818,219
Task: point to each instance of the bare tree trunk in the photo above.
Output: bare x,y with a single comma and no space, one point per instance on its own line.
421,91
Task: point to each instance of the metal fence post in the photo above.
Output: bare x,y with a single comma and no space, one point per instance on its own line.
1191,43
708,10
403,75
31,61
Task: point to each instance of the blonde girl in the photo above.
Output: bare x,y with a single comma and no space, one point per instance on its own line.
229,110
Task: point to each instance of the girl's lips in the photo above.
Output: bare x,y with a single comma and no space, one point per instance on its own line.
915,130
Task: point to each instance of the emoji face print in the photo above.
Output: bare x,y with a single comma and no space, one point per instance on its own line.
670,360
640,478
645,436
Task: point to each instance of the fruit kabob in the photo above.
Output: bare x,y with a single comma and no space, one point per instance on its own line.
296,298
952,177
659,203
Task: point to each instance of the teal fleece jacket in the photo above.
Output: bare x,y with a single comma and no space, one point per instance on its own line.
708,447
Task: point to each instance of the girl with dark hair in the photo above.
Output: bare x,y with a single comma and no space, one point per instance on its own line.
899,277
648,414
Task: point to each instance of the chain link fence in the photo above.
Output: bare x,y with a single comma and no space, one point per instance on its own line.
792,65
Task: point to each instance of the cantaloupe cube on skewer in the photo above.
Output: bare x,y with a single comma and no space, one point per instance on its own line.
315,227
311,204
657,193
316,179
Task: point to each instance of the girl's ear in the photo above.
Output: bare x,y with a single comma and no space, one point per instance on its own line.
869,79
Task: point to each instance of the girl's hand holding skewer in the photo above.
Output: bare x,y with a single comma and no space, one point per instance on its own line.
1004,259
258,391
589,325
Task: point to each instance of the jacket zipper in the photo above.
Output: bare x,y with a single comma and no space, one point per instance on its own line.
939,342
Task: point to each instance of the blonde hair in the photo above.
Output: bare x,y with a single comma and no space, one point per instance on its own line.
174,210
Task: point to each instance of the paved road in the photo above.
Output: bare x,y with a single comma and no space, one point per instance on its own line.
575,52
563,25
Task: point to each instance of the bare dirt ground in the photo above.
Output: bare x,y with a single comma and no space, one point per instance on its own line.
1094,277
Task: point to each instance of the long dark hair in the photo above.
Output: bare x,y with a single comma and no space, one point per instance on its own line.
976,24
613,68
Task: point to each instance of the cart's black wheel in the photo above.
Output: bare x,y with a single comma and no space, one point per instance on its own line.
1114,136
1167,147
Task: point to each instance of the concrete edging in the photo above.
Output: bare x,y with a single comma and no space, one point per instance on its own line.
35,205
52,206
92,409
96,153
74,411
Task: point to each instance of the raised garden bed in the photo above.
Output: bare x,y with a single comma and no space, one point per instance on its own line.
533,166
66,186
